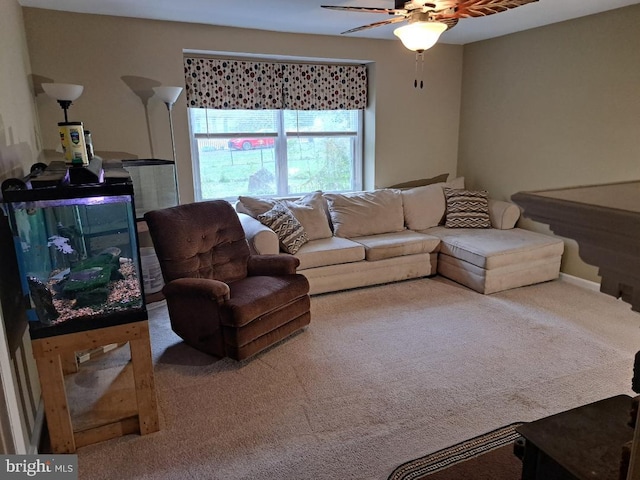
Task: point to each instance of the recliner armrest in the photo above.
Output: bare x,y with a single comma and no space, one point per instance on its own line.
282,264
197,287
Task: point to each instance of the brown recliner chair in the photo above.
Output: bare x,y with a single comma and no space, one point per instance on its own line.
221,299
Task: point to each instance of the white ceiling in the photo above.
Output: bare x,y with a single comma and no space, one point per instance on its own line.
306,16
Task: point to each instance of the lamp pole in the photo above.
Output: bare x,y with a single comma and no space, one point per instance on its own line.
173,143
169,95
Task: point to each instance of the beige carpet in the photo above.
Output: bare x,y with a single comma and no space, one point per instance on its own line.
382,375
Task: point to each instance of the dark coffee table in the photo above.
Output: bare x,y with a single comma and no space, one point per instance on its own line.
583,443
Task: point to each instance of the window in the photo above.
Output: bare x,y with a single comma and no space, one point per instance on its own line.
275,152
274,128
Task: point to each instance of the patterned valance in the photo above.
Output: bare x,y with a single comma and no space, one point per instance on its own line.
238,84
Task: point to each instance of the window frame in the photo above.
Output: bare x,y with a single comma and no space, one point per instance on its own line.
280,153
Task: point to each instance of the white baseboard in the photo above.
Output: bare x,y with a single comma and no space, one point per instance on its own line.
580,282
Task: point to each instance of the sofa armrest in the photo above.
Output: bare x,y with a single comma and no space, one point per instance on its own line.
262,240
503,215
282,264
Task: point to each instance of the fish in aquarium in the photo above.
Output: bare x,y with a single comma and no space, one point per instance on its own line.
61,243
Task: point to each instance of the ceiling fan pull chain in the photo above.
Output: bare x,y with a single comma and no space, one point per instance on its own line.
415,81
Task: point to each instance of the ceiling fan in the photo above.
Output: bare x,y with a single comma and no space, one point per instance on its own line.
427,20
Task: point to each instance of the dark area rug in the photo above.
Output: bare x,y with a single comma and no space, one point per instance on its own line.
485,457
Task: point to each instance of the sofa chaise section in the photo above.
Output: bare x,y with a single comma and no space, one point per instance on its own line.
492,260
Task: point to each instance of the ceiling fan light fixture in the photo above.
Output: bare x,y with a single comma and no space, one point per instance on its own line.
420,36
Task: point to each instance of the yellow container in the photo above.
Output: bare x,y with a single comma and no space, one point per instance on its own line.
73,144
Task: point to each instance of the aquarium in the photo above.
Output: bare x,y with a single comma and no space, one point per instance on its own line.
78,257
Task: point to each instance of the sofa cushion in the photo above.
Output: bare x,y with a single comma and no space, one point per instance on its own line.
492,248
467,209
254,206
397,244
310,210
425,206
290,232
329,251
332,278
259,296
366,213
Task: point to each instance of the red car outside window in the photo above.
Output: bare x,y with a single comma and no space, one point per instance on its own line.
251,143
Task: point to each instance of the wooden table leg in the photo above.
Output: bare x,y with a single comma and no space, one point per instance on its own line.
69,362
530,461
144,382
55,404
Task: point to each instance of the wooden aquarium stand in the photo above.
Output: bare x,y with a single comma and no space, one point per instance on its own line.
53,353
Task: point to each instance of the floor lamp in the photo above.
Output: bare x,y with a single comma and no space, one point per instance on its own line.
169,95
64,93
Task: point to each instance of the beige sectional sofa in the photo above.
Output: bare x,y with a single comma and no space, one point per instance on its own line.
367,238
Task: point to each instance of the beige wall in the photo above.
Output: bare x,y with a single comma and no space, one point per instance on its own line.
19,149
19,146
410,133
553,107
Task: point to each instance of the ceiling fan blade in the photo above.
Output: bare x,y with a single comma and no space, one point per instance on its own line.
391,11
449,22
481,8
377,24
413,4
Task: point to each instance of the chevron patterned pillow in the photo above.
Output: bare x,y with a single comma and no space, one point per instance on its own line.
467,209
289,230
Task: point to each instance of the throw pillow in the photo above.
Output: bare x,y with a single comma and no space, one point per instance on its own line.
290,233
467,209
366,213
310,211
